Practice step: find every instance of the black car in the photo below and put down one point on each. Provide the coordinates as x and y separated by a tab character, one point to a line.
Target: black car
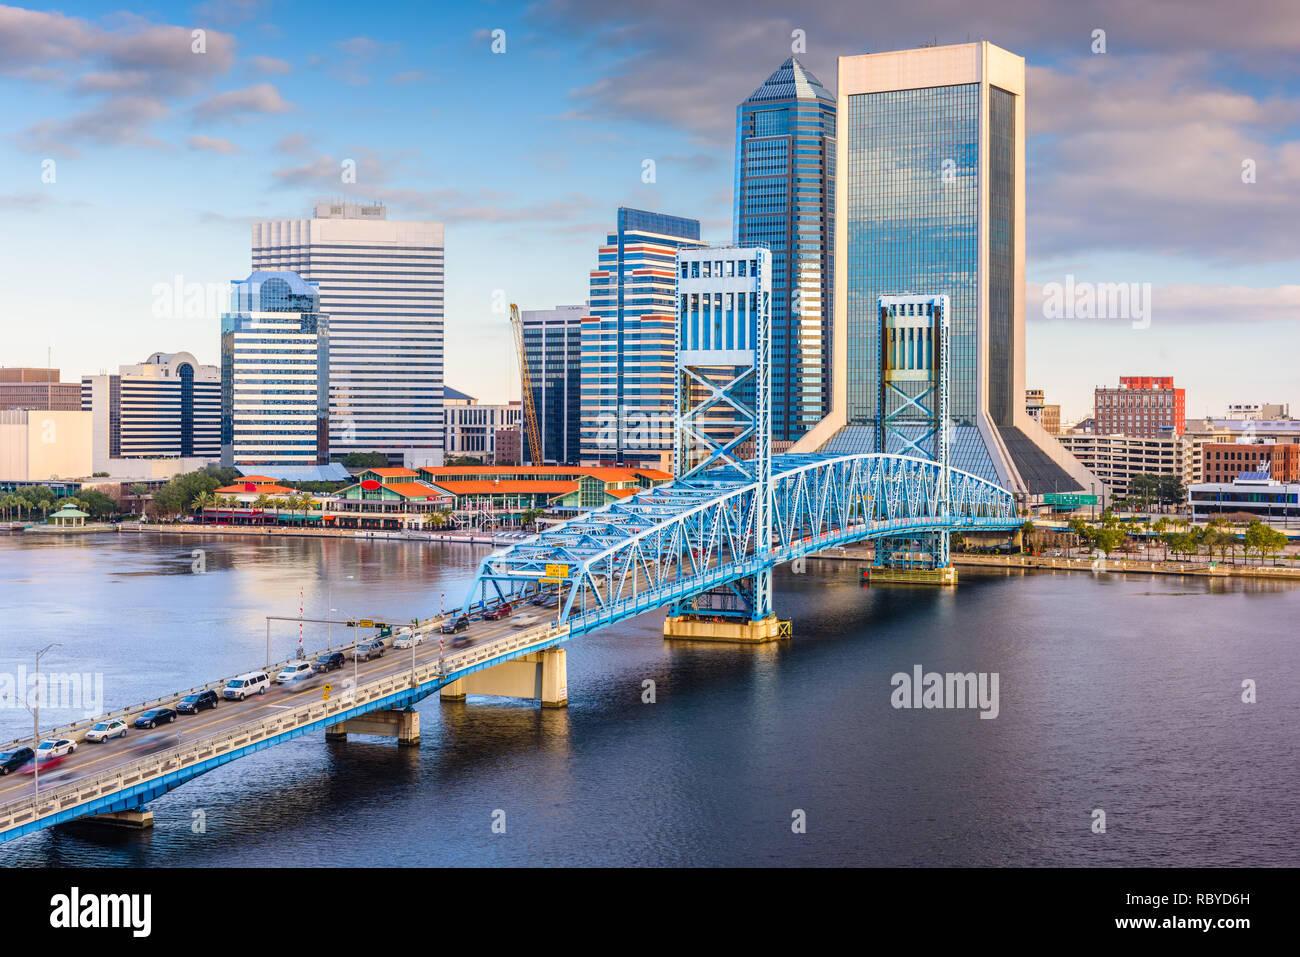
453	625
14	758
194	703
154	717
328	661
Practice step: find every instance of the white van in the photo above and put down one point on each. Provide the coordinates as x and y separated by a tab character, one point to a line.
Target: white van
237	689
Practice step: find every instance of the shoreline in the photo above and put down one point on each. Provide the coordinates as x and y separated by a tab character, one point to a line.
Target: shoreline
270	531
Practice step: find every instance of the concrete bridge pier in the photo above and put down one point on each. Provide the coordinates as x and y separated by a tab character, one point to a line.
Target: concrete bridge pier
739	612
136	819
919	559
542	676
399	723
695	627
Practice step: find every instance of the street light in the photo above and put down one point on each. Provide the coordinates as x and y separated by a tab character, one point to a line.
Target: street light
36	721
329	601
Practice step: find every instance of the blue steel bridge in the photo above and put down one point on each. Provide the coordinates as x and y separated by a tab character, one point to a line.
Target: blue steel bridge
659	548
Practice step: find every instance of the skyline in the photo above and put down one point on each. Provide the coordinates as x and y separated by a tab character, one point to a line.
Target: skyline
163	162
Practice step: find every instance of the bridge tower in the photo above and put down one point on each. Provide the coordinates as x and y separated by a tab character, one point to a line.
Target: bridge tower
723	420
912	359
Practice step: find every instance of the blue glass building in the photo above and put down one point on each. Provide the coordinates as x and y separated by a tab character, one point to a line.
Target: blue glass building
785	199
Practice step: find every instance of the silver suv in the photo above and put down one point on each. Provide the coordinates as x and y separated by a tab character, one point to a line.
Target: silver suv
364	651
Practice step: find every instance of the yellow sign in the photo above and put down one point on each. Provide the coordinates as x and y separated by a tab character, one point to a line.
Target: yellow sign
557	571
327	689
367	623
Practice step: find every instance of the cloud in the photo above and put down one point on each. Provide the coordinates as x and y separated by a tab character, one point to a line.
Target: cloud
410	76
269	64
294	143
119	122
262	98
213	144
229	11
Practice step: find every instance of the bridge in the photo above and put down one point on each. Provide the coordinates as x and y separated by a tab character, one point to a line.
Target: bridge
702	546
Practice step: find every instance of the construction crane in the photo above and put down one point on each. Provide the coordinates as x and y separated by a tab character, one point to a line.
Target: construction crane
526	387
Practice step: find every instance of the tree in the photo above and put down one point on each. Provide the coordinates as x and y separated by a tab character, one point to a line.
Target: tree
365	460
1170	490
261	503
202	502
1143	489
531	515
1027	531
1108	539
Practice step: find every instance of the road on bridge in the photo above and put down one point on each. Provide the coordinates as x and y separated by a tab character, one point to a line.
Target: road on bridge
229	715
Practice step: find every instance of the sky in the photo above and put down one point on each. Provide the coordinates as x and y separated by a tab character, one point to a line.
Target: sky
1164	152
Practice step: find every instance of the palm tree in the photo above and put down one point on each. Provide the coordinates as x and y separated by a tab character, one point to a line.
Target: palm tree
261	503
202	502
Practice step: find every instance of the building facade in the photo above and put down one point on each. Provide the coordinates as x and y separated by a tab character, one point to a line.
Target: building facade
37	389
785	199
930	201
274	373
1116	459
168	406
1252	495
39	445
472	428
1224	461
1048	416
553	343
381	284
627	355
1144	406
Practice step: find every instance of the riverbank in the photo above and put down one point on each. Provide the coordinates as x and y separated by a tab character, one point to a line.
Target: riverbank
271	531
1089	564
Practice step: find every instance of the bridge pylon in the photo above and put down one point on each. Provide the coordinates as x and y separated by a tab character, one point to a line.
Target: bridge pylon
723	420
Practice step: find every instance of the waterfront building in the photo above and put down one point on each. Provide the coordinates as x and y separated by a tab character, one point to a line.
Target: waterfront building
1284	431
627	358
167	407
553	344
541	486
1144	406
930	201
784	199
472	428
1224	461
274	373
381	283
37	389
509	446
41	445
1116	459
1252	495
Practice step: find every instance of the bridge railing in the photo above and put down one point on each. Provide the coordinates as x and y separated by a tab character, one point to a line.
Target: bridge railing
192	755
77	729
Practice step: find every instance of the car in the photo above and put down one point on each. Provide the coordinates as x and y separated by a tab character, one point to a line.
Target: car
552	601
409	639
453	625
115	728
460	641
503	610
50	763
328	661
198	701
237	689
294	671
365	650
14	759
154	717
55	748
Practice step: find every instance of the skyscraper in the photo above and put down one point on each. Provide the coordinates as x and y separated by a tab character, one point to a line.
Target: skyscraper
274	373
381	284
785	198
930	200
553	342
628	358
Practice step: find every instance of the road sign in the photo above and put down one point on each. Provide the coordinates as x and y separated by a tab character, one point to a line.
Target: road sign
559	572
367	623
1068	498
327	689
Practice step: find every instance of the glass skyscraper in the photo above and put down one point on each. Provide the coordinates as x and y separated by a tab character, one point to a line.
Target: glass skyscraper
785	199
930	201
553	342
628	341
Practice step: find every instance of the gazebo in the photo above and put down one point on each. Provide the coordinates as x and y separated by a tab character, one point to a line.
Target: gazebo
68	516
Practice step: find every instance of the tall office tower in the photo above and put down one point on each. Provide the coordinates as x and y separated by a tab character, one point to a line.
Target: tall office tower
167	406
930	200
553	342
381	284
628	362
274	373
1144	406
785	198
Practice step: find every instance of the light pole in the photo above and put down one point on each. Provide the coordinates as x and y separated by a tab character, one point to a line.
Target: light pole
36	721
329	601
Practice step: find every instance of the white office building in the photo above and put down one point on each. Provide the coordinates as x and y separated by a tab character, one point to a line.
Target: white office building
472	428
168	406
381	284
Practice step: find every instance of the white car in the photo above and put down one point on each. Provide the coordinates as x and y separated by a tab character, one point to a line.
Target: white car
295	671
107	729
405	640
55	748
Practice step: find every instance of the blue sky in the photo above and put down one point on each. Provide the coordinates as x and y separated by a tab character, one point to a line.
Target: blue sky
163	157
